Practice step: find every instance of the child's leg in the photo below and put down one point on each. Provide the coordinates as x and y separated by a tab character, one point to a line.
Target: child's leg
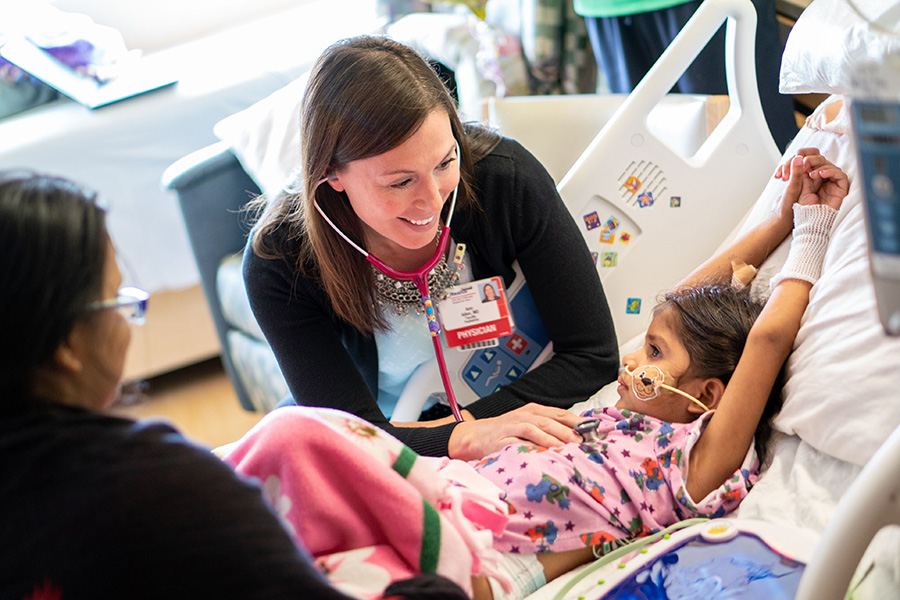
481	589
557	563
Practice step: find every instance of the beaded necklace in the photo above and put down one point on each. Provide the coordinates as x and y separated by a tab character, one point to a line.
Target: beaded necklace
403	296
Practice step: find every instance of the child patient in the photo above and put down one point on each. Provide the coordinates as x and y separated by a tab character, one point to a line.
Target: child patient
688	432
693	400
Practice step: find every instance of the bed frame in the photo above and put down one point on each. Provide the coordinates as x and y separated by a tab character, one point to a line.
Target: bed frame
656	201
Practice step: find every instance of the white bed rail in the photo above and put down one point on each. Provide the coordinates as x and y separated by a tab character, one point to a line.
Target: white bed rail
650	214
871	503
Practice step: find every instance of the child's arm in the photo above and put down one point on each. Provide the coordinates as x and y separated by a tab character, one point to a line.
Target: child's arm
754	246
729	434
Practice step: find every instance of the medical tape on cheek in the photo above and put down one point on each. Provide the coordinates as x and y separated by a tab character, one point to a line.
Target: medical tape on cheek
647	381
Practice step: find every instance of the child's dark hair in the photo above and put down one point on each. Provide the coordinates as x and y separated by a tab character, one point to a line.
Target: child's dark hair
713	322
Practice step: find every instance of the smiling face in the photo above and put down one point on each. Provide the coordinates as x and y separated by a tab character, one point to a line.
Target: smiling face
398	195
662	359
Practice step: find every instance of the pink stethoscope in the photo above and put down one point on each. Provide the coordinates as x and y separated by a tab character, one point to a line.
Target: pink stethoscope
419	277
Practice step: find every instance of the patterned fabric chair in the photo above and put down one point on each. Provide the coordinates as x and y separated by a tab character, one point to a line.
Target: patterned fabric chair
212	190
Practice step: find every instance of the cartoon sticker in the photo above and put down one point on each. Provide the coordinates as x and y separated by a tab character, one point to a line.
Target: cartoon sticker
646	382
632	184
607	236
633	306
610	259
645	199
592	221
624	237
595	256
675	202
642	176
612	223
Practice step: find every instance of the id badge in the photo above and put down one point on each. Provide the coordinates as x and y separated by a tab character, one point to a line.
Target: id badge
476	314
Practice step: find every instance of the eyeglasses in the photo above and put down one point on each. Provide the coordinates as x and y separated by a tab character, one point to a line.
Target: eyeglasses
131	304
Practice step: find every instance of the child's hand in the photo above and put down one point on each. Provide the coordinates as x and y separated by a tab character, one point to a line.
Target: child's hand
813	179
814	193
783	171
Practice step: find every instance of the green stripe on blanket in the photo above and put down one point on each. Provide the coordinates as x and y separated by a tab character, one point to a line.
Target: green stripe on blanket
431	539
431	519
405	461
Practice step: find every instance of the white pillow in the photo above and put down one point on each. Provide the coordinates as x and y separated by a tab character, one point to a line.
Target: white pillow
841	396
265	137
832	49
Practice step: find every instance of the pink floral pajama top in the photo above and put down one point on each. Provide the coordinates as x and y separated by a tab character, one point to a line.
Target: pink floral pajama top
630	483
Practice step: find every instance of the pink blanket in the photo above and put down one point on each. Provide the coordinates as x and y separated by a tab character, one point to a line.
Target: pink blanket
367	508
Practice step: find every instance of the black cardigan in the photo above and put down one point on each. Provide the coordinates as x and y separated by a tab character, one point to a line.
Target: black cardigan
326	362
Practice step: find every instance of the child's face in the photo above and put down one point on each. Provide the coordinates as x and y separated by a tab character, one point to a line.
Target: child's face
662	349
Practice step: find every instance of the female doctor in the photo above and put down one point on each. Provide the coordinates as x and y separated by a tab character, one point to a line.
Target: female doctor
385	159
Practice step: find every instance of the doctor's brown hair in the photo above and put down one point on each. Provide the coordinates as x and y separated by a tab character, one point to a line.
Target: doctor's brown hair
365	96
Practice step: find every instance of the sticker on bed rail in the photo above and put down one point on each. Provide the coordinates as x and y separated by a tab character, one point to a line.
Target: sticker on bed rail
617	232
633	306
675	202
610	259
644	177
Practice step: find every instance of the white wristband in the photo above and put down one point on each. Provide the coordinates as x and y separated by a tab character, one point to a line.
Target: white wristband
812	230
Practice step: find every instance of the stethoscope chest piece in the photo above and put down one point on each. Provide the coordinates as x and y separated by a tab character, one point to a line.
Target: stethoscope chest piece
587	429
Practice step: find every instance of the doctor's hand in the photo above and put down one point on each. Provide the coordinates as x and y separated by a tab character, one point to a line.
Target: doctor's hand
531	424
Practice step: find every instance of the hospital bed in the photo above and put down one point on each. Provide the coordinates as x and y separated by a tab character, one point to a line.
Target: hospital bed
841	399
832	478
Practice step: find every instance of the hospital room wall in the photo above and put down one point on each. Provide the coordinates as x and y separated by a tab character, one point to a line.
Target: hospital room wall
151	25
